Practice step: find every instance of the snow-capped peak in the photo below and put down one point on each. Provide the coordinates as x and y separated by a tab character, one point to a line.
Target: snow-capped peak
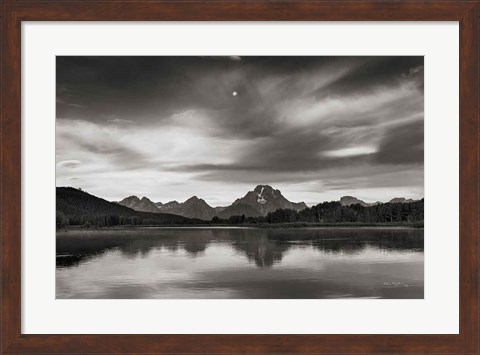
260	198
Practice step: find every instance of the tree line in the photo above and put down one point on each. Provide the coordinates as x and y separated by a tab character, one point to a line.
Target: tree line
335	212
76	207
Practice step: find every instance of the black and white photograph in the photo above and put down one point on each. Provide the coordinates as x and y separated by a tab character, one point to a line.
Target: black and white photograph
239	177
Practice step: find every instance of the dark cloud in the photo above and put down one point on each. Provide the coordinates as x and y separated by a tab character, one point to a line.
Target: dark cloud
377	72
151	87
402	144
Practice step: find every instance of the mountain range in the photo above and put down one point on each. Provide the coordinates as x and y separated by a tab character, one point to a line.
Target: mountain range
142	205
350	200
77	207
262	200
80	207
259	202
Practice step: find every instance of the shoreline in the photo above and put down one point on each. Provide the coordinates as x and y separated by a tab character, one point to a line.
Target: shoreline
243	226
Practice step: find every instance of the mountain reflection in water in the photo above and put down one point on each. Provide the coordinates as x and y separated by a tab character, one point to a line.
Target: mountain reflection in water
214	263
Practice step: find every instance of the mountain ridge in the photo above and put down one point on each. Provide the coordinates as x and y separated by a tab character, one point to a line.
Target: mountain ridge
351	200
79	207
260	201
142	205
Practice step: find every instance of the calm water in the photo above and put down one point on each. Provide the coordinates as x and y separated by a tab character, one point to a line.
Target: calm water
240	263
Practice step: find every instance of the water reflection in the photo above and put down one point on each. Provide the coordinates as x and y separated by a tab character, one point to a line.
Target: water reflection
217	263
264	247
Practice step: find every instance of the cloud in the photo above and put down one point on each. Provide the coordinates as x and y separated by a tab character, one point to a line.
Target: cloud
375	73
69	163
73	105
97	143
403	144
120	121
335	123
349	152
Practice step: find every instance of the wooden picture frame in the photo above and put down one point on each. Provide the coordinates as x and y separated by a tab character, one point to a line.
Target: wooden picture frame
13	12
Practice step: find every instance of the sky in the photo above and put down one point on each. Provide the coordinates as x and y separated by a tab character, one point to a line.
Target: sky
168	128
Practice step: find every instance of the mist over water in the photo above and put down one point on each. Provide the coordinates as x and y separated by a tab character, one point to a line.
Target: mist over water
240	263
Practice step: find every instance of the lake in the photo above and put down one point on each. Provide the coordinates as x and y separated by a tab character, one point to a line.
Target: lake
255	263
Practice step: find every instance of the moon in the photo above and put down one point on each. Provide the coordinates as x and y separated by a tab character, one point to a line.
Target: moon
234	93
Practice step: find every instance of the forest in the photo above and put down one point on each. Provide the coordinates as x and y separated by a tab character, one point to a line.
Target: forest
334	212
76	207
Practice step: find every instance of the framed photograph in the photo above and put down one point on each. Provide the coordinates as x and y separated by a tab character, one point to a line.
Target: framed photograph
240	177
